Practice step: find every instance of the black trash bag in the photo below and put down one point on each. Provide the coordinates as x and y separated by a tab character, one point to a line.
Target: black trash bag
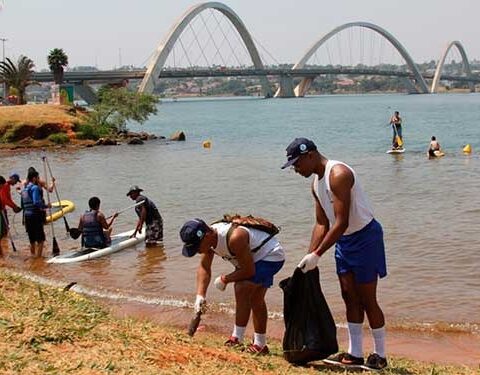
310	332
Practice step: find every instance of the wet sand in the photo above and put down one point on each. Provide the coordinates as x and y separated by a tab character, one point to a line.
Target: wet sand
431	347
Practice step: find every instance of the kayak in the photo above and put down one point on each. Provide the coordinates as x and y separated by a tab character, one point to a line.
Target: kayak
59	209
120	242
396	151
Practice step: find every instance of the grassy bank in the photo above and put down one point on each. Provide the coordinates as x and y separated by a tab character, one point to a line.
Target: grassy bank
48	330
38	125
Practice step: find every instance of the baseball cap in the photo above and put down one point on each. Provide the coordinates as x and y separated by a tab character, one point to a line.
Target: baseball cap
298	147
133	188
192	233
15	176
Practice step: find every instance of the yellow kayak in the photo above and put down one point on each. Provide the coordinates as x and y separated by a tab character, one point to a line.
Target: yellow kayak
59	209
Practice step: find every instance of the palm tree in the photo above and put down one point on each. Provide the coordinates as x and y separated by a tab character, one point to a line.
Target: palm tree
57	60
17	76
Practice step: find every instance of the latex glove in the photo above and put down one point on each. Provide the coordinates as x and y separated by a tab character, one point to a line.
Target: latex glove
220	284
309	262
200	303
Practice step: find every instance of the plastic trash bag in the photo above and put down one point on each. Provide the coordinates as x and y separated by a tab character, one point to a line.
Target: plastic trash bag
310	332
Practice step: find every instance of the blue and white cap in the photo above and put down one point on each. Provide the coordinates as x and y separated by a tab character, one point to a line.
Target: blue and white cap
192	233
297	148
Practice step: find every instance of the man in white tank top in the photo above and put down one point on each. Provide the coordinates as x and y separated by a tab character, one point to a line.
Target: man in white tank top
344	218
256	256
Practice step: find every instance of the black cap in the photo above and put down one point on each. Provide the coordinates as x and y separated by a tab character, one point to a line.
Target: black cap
298	147
133	189
192	233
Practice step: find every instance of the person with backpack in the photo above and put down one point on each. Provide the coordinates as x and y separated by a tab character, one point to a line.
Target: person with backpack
34	209
344	218
256	255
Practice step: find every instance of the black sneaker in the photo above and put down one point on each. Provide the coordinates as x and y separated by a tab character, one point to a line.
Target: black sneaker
375	362
344	359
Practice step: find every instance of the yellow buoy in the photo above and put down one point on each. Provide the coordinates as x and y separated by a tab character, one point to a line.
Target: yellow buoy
467	149
207	144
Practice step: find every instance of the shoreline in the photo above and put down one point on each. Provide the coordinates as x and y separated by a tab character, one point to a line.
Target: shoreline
446	348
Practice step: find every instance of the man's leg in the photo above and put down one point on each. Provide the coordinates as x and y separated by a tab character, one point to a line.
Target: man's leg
354	312
376	319
260	316
243	293
40	248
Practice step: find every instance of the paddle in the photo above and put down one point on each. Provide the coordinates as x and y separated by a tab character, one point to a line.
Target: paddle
397	137
55	248
67	228
75	232
8	230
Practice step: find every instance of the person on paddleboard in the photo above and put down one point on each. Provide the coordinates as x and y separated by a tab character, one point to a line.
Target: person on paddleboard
344	218
256	255
434	147
396	123
96	231
149	215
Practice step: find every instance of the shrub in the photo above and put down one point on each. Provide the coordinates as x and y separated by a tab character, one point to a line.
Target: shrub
59	138
92	132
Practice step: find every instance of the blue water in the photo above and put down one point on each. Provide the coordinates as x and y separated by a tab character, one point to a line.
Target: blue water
429	208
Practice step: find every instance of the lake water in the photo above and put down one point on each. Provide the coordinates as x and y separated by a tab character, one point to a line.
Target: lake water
430	209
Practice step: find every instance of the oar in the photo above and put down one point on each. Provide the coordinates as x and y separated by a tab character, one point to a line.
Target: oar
55	248
67	228
8	230
75	232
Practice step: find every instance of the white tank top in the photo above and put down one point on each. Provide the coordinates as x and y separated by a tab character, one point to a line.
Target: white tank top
272	251
361	212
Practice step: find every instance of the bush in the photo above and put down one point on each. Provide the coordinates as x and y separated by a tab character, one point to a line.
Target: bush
59	138
92	132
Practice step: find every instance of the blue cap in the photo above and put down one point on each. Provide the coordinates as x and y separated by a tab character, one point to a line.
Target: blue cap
192	233
298	147
15	176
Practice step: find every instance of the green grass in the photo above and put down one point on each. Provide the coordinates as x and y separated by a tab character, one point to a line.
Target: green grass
48	330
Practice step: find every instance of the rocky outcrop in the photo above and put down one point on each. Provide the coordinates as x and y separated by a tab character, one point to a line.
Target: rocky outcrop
178	136
106	142
135	141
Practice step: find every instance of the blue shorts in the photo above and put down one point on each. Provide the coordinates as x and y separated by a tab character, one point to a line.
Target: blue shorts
362	253
264	272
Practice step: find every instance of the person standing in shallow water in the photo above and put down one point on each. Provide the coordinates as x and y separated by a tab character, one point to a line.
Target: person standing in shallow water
396	122
344	218
147	214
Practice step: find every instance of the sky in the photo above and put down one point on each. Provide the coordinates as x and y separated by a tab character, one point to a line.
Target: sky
104	33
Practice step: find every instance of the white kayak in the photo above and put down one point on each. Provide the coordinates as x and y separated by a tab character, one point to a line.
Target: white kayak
396	151
120	242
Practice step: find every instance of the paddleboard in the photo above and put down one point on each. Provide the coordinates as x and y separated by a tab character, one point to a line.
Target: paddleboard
60	209
396	151
439	154
120	242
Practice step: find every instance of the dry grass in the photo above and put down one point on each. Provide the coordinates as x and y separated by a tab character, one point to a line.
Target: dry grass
47	330
36	115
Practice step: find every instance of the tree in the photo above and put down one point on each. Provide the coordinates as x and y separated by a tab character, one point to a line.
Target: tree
17	76
117	106
57	60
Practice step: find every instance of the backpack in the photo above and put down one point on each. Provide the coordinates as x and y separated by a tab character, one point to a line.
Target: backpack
250	222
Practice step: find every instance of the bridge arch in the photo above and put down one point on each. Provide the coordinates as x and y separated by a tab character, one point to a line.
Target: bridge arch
438	70
305	83
166	46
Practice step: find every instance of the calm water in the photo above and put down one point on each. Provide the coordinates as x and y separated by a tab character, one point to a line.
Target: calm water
430	209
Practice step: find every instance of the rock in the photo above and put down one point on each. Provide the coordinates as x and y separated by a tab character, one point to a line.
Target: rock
106	142
178	136
135	141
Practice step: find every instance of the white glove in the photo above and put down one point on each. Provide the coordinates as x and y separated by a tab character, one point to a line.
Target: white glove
200	303
219	284
309	262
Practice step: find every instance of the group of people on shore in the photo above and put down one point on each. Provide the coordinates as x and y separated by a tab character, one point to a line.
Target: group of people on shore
93	227
434	149
344	218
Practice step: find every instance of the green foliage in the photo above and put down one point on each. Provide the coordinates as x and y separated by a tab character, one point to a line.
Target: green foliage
57	61
17	76
92	132
117	106
59	138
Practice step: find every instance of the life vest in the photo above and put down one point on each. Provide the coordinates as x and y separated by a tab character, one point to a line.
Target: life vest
92	235
152	211
29	208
